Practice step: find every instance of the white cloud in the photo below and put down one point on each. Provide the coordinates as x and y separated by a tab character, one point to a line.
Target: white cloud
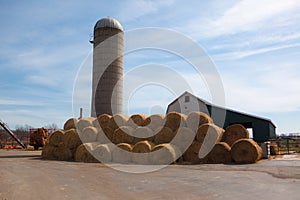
20	102
245	16
250	15
243	54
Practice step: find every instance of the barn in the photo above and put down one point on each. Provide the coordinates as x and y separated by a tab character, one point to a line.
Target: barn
261	129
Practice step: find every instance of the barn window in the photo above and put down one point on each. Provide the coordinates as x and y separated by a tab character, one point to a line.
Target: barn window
187	99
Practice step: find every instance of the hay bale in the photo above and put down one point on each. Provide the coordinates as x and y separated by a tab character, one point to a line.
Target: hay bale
208	135
174	120
117	121
234	133
220	154
123	135
191	155
47	152
89	134
101	136
109	133
136	120
246	151
95	123
154	121
206	129
163	135
103	152
56	138
142	133
71	139
104	120
61	152
70	123
122	154
141	152
183	138
83	123
196	119
164	154
84	153
38	136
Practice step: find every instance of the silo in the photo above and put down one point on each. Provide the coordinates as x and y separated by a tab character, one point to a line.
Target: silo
107	82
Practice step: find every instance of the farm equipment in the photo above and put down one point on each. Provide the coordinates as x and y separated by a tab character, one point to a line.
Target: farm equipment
38	137
5	127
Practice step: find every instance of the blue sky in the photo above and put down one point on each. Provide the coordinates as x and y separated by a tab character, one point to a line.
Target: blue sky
253	44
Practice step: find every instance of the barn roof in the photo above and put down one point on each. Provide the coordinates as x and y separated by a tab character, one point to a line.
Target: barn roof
220	107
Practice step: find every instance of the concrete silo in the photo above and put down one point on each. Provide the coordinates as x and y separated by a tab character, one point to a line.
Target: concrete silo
107	82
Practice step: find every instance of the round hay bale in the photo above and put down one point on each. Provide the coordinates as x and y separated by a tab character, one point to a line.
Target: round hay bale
136	120
117	121
141	151
220	154
196	119
61	152
102	138
222	131
95	123
174	120
83	123
71	139
154	121
123	135
246	151
122	154
207	129
164	154
84	153
108	132
163	135
191	155
234	133
56	138
47	152
184	137
208	135
89	134
142	133
103	152
104	120
70	123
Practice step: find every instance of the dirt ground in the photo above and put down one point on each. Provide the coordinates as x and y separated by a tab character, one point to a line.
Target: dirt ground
23	175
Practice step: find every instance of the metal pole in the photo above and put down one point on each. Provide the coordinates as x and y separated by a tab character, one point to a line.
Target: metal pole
288	145
80	113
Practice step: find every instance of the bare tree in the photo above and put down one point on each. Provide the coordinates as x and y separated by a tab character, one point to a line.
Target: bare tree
52	126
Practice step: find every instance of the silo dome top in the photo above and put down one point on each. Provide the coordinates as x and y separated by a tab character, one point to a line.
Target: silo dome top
108	22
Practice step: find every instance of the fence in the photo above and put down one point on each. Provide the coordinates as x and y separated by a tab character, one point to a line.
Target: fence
287	144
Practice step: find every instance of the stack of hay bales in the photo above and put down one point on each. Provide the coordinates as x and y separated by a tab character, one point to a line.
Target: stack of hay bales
154	139
38	137
55	148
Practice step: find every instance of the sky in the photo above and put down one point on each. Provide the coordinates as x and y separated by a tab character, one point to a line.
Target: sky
254	46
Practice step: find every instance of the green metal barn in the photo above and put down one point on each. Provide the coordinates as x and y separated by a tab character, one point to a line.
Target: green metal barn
262	129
